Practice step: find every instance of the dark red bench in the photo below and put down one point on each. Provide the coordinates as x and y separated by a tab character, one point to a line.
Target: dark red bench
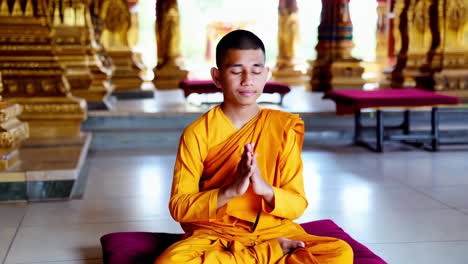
207	86
144	247
354	101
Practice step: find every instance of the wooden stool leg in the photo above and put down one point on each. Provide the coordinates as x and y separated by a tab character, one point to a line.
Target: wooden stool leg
379	132
435	128
406	122
357	126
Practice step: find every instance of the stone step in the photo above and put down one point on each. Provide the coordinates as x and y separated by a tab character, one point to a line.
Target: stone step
54	169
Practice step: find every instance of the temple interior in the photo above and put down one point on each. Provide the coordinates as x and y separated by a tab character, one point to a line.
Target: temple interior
92	109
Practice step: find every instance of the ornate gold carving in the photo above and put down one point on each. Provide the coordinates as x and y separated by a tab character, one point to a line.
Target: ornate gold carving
420	16
456	14
9	111
168	72
17	9
335	67
31	74
167	32
116	20
51	108
78	49
288	38
29	9
4	11
289	68
12	133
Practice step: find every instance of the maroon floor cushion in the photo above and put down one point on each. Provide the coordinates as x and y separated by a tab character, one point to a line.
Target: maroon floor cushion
349	100
144	247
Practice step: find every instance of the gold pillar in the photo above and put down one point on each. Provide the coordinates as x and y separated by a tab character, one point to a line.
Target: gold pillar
168	72
433	46
31	74
12	132
394	76
289	69
382	32
374	70
334	66
116	21
413	39
72	40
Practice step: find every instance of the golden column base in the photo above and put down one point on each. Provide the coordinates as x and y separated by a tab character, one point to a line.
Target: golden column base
33	78
12	133
101	85
294	76
335	75
126	76
86	78
453	82
72	56
53	117
169	76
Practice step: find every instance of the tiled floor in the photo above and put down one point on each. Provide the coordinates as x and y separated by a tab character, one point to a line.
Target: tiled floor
406	206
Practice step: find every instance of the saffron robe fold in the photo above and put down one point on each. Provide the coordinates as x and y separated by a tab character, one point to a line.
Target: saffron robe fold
209	152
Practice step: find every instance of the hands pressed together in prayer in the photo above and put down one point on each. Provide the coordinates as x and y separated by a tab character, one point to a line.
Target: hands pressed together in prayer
248	174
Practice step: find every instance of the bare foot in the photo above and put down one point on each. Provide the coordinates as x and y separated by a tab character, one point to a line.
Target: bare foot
289	245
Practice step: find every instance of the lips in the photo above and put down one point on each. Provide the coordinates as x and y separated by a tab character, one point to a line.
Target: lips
247	93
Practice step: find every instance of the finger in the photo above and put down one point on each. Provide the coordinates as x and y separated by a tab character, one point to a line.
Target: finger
251	171
300	244
247	147
250	147
249	158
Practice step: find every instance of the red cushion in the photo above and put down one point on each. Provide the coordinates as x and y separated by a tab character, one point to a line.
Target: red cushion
144	247
362	255
348	101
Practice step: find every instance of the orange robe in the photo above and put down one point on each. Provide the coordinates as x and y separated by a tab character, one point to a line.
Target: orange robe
245	230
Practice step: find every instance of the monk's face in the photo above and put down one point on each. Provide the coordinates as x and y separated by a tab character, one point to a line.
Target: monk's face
242	76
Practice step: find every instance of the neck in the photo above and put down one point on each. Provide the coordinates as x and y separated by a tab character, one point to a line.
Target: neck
240	115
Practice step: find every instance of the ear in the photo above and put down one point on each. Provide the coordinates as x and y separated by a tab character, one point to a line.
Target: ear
216	77
267	73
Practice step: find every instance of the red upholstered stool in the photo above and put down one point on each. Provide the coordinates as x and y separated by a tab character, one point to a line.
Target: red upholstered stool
144	247
207	86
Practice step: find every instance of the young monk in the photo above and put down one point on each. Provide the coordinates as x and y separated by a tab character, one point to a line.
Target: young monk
238	180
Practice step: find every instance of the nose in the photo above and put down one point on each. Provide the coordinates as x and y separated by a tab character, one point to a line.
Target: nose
247	79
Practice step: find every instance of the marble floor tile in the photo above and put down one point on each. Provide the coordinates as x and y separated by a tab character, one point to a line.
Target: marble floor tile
73	242
11	216
81	261
139	208
453	252
398	226
362	198
7	235
455	196
141	176
400	204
